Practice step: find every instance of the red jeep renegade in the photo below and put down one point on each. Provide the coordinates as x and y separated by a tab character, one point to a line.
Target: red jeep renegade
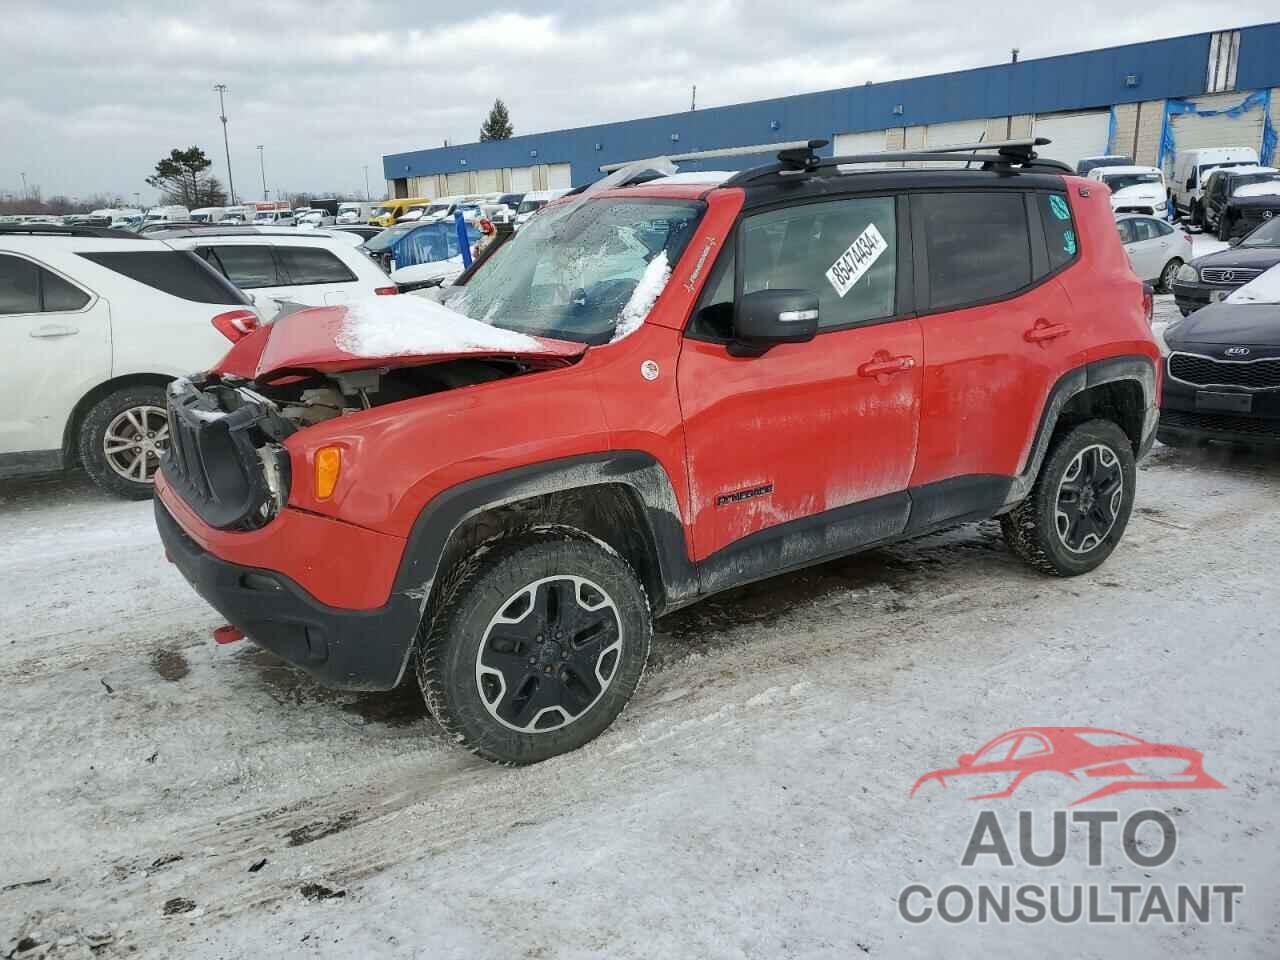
657	390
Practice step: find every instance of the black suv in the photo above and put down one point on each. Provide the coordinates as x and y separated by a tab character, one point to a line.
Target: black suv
1212	277
1229	215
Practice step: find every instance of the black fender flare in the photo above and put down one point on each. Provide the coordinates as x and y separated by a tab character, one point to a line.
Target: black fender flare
640	472
1137	367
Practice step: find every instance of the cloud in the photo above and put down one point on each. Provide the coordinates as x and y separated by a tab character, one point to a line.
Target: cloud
95	94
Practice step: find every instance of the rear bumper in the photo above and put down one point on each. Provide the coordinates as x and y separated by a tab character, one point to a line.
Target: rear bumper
348	649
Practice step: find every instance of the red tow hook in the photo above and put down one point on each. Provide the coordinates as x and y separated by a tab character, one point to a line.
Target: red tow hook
227	634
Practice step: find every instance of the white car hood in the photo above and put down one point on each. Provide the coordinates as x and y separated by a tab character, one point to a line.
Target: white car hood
1264	288
1265	189
1140	193
437	269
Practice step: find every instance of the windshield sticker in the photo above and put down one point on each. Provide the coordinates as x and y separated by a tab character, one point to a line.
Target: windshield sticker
1069	242
850	266
1059	207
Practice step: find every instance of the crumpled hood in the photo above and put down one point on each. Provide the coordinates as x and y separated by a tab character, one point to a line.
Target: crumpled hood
380	332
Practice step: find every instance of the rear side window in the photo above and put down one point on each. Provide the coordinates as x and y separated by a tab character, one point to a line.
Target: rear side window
845	251
175	272
245	265
1060	230
978	244
26	287
313	265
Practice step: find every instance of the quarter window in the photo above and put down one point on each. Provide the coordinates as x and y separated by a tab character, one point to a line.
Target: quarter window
1060	229
845	251
978	244
245	265
26	287
316	265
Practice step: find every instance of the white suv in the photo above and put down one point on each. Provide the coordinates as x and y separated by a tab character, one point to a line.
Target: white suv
93	324
315	268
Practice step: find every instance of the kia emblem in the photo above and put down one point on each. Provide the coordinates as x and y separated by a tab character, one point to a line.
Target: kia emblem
1236	351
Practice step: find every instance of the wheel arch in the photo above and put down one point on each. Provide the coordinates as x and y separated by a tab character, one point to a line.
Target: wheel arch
1120	389
624	499
71	432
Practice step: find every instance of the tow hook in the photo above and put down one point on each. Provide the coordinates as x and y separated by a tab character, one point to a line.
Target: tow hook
227	634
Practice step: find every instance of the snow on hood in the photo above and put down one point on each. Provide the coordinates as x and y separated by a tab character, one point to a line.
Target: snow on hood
419	272
1139	191
403	326
650	286
1264	288
1265	189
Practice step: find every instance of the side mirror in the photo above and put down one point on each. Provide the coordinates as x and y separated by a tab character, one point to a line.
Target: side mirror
966	760
1234	241
769	317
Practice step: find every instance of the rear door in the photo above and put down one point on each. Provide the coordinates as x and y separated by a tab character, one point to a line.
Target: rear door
1147	242
997	334
806	446
55	338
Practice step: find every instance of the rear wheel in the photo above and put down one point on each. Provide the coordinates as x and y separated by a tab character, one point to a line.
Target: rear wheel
122	438
536	647
1168	273
1080	504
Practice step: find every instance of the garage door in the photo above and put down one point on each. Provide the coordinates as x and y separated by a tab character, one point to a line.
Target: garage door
1190	131
521	179
950	134
559	177
488	181
1074	135
459	183
870	141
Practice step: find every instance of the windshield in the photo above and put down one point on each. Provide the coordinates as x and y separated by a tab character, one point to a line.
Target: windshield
1267	235
571	273
1121	180
528	206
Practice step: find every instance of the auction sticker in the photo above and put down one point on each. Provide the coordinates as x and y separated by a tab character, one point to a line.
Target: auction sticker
850	266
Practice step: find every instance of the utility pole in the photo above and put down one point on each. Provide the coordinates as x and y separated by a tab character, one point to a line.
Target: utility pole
366	184
263	167
24	185
1015	51
693	101
226	144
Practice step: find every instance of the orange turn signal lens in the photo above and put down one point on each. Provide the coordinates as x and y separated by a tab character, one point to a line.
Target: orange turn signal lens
328	466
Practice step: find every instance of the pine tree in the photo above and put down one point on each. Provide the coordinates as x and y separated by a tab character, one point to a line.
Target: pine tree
497	126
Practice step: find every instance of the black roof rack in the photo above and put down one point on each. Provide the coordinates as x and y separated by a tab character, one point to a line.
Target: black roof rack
55	230
1009	156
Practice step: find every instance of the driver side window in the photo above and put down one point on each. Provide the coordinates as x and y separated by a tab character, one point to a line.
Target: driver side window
845	251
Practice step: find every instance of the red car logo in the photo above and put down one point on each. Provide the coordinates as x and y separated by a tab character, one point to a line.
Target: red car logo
1088	755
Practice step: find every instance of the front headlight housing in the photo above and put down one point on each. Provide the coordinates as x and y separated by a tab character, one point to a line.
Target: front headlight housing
1187	274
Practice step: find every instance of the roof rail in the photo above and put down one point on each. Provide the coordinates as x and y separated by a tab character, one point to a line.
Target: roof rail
1009	156
746	151
55	230
246	231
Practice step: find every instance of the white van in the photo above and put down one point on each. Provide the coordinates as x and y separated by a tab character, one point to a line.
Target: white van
1190	169
208	214
120	217
167	214
535	201
356	211
1135	189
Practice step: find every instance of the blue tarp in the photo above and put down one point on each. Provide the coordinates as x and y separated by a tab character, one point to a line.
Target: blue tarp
1258	100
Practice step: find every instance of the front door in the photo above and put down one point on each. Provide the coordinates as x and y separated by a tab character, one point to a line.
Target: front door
805	451
55	337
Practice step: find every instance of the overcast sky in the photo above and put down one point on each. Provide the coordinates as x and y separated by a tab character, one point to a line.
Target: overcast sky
95	91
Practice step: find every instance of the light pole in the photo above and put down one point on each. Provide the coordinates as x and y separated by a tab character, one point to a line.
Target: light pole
263	167
137	199
24	185
366	183
226	144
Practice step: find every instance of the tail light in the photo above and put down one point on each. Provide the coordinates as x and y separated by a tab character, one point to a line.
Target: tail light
1148	302
236	324
386	291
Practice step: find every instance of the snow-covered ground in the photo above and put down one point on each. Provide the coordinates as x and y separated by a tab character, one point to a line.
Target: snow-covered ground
752	802
1166	311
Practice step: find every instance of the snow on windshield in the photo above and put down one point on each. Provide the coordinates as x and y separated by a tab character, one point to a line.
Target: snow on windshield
1264	288
1262	188
406	325
648	289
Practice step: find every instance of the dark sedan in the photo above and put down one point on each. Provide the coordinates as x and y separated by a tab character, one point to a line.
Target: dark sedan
1211	278
1222	374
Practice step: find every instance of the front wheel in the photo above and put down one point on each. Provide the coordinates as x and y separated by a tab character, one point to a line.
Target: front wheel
536	648
122	438
1168	273
1080	504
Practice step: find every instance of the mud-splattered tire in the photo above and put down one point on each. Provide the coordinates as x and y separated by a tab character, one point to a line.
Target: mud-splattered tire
1034	530
536	646
127	414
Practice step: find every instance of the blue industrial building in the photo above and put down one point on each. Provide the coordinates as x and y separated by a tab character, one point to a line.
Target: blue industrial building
1146	100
